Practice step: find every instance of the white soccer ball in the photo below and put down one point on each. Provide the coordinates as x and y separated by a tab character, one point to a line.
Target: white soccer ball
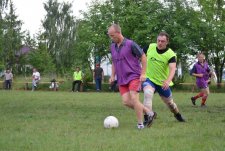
111	122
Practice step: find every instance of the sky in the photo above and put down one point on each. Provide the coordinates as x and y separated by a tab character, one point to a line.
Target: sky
31	12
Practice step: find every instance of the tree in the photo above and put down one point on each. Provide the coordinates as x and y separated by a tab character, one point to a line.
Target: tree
12	37
59	34
193	26
212	33
41	59
3	6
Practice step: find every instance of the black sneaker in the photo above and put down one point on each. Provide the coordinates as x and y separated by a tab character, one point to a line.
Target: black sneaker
150	119
145	119
179	117
193	100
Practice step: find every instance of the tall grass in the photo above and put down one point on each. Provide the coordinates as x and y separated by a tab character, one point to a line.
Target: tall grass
66	121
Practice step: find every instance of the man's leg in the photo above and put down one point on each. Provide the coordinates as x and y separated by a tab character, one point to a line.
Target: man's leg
166	96
148	96
100	84
10	84
7	85
173	108
78	85
130	97
205	96
33	84
97	84
73	86
194	98
131	100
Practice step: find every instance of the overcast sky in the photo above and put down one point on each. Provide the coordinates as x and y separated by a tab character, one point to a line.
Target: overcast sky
31	12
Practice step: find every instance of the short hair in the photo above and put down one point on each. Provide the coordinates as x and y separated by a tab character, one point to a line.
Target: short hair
163	33
200	53
116	27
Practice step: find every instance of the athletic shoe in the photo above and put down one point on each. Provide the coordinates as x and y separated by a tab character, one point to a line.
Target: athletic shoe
140	126
179	117
150	119
193	100
145	119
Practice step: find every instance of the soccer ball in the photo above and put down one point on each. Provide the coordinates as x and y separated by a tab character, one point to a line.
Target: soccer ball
111	122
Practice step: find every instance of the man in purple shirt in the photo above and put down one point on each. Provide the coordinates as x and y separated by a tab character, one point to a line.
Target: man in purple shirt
202	73
127	59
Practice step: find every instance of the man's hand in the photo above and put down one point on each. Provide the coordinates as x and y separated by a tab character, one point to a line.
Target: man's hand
200	75
111	79
166	85
142	77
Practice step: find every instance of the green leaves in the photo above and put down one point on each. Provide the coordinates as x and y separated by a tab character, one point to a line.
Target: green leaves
59	34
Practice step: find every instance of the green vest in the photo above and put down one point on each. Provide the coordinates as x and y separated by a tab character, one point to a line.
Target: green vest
157	64
77	75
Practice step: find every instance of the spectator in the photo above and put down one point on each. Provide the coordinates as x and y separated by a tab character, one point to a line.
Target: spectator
8	79
36	77
98	76
54	86
77	79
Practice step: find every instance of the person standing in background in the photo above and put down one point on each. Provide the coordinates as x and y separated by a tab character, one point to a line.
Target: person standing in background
98	76
8	79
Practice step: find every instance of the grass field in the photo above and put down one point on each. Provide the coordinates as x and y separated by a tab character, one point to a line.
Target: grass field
65	121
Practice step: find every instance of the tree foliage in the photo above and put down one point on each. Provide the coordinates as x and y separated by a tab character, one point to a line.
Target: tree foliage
192	25
11	37
59	33
41	59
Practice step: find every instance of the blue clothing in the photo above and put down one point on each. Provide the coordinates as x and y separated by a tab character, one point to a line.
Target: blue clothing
126	61
166	93
98	83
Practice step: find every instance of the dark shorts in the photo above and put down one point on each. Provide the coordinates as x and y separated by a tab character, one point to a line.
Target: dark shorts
165	93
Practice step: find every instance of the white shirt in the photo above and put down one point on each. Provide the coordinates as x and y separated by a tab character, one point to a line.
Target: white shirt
36	75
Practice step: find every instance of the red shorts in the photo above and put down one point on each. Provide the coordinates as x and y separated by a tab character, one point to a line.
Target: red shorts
133	85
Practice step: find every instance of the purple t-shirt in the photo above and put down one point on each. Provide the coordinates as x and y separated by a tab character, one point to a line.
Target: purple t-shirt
204	69
126	61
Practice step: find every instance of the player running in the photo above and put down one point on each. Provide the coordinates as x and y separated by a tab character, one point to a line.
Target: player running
202	73
161	66
126	59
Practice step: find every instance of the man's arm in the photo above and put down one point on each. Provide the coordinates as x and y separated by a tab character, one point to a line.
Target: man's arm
193	72
143	69
172	69
112	78
136	49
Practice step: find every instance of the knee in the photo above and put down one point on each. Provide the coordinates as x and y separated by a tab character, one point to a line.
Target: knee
148	95
127	103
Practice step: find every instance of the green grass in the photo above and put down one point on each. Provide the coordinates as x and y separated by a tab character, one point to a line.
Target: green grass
65	121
